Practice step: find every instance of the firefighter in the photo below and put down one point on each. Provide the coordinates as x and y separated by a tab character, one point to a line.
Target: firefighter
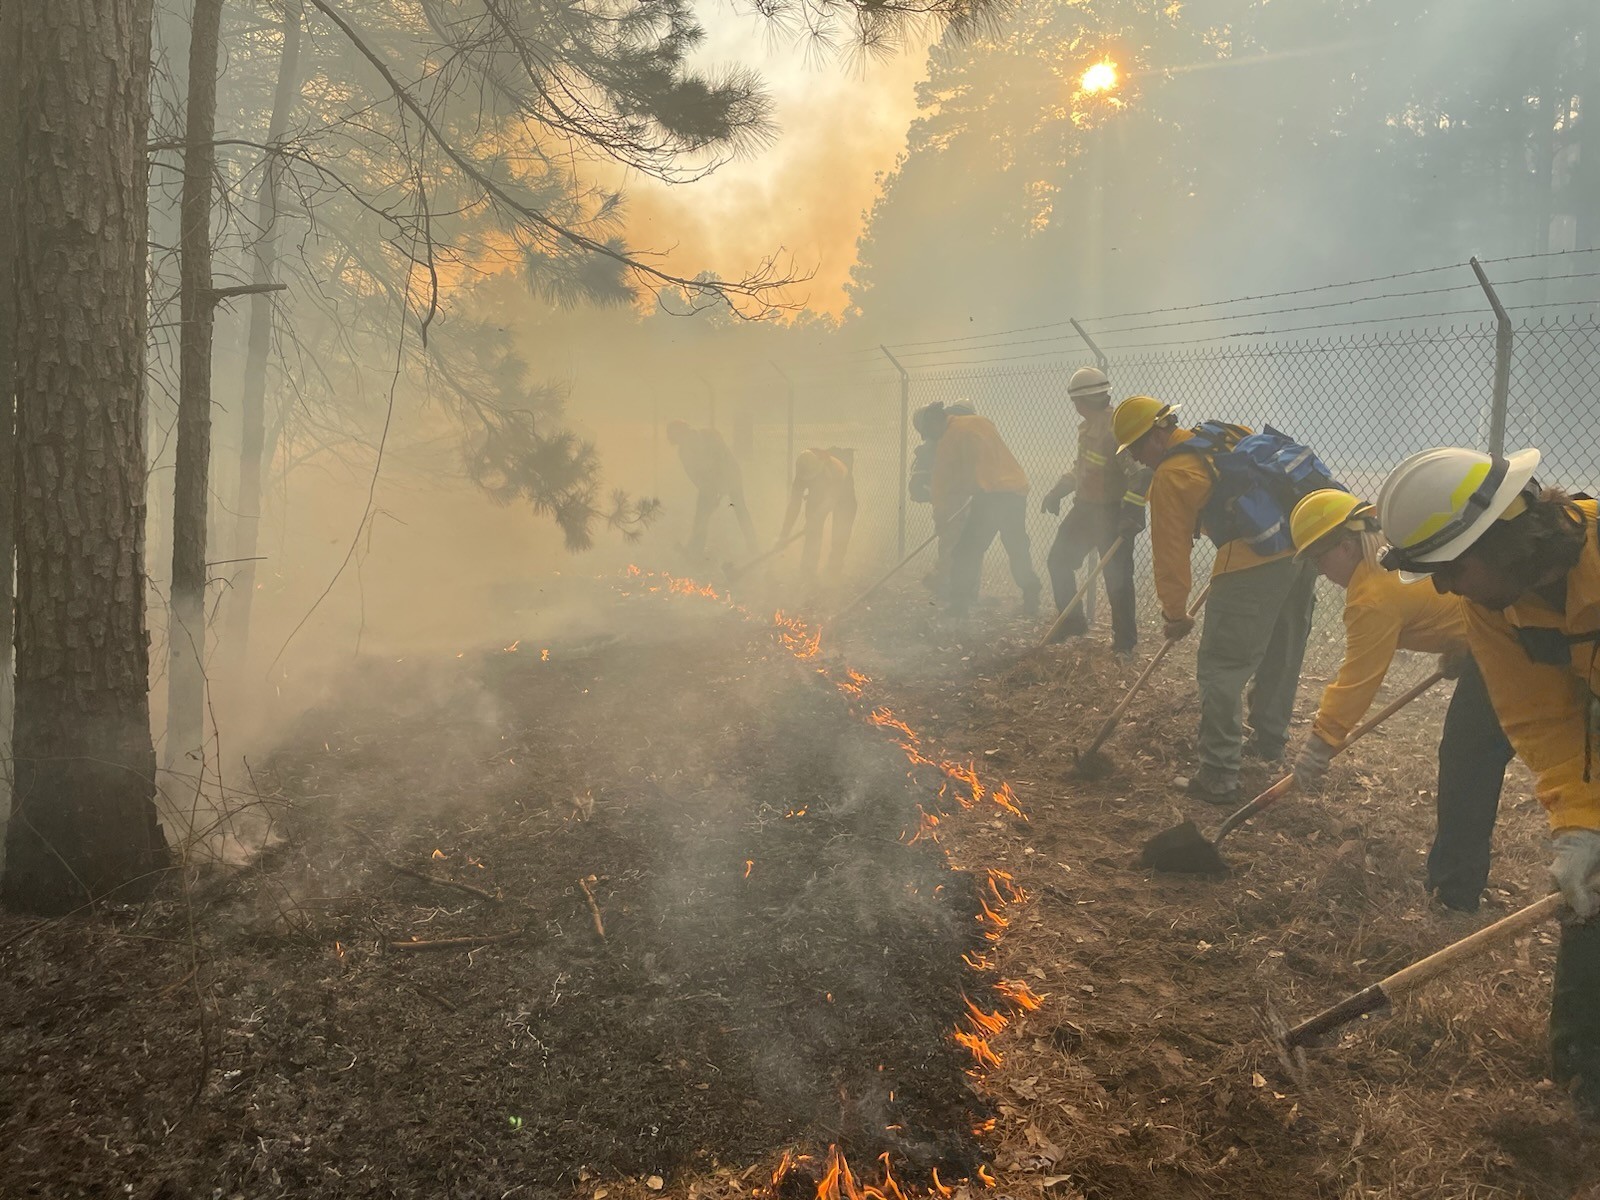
824	482
973	468
1526	560
1108	504
715	473
919	487
1339	534
1256	619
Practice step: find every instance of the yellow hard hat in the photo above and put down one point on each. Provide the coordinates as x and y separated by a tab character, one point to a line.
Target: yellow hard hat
1323	512
1137	416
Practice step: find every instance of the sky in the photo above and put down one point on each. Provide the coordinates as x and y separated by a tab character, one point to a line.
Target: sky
842	123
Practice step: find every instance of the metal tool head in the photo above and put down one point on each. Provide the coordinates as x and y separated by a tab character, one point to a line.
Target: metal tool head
1092	764
1183	850
1276	1030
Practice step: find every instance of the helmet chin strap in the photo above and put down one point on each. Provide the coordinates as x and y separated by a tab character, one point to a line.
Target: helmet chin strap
1478	503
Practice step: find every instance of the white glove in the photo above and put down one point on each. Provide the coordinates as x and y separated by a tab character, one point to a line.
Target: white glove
1312	766
1577	855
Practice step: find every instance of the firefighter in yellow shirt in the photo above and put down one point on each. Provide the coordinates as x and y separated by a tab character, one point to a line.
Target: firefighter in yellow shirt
1339	533
825	486
1256	619
1527	561
974	467
1108	503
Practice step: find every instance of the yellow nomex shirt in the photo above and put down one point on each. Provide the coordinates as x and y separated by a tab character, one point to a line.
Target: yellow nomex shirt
1382	615
1545	707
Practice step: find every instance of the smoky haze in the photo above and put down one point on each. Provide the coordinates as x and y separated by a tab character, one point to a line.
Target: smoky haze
956	196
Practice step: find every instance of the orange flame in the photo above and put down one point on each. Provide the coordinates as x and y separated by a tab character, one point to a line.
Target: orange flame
990	1023
544	656
749	865
438	854
987	1176
941	1187
512	649
1020	994
979	1047
798	638
978	962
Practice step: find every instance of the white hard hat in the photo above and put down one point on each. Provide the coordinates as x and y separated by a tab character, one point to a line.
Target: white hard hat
1437	504
1087	383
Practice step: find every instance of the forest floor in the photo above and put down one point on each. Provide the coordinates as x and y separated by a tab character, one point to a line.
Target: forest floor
676	911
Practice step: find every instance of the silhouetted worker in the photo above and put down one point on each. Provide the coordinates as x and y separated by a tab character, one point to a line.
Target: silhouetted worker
920	487
1109	504
824	482
974	467
715	472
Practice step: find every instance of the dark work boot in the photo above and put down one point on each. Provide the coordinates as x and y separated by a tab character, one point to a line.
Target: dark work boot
1211	785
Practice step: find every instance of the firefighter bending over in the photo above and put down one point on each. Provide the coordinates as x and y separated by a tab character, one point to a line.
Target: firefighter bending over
824	482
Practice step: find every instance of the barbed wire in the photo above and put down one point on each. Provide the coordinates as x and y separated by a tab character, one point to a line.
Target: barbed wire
952	344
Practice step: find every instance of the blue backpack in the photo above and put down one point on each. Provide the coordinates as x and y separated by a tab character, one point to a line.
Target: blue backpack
1257	479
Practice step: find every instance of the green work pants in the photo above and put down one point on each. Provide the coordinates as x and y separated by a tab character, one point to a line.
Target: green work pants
1575	1015
1254	627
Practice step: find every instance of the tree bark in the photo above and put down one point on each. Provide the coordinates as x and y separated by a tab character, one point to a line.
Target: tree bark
186	627
253	441
10	172
83	820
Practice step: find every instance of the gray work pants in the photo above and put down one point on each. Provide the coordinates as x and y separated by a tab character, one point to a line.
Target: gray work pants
1254	628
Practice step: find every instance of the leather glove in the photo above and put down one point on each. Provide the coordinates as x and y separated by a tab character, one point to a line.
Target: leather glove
1452	664
1130	524
1174	630
1311	768
1577	855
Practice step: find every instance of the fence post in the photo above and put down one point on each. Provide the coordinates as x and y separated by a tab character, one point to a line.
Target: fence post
1502	362
905	438
1099	355
788	386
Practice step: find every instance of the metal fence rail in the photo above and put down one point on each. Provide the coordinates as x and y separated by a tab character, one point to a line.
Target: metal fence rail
1363	401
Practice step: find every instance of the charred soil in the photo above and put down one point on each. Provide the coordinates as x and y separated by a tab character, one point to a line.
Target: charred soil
687	933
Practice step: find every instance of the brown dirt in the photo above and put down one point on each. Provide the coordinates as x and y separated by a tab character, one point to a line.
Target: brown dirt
1146	1073
724	1019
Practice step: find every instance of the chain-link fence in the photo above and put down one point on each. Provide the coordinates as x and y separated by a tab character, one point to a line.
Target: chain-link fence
1363	402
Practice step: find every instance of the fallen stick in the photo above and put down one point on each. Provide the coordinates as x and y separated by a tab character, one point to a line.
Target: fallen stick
456	943
482	894
594	909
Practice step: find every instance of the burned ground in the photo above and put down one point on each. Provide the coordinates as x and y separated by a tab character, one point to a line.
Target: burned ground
772	941
778	967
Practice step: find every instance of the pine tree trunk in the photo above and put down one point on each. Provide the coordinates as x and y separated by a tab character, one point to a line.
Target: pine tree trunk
83	822
186	630
252	447
10	172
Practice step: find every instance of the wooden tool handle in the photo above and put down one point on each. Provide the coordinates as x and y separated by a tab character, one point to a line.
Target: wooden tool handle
1286	785
1088	583
896	569
1503	930
1122	705
1370	999
735	571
